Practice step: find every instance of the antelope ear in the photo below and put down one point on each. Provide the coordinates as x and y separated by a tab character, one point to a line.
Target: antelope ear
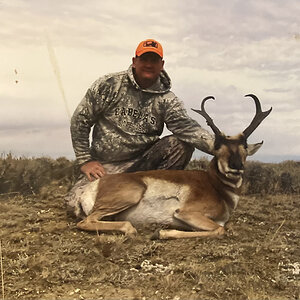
253	148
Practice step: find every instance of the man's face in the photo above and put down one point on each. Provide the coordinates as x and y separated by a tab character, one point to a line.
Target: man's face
147	68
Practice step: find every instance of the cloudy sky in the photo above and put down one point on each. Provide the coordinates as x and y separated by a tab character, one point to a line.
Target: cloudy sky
51	51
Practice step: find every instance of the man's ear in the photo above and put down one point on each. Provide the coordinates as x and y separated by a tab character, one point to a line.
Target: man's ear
133	62
253	148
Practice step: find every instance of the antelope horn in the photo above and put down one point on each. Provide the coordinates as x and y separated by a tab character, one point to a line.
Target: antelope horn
208	119
258	118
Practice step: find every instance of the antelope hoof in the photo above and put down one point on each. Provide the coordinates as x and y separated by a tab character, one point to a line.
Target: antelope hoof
220	231
130	231
81	224
155	235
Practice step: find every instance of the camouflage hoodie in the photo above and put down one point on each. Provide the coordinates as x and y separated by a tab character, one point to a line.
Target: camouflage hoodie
127	120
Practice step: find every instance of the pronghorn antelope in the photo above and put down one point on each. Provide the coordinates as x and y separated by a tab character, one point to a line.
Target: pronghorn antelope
185	203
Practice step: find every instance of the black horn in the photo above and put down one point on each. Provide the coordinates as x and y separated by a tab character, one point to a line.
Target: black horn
258	118
208	119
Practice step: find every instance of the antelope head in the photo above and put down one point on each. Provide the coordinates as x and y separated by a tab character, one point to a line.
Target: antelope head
230	152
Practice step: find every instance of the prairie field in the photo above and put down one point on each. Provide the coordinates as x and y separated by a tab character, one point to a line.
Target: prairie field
44	256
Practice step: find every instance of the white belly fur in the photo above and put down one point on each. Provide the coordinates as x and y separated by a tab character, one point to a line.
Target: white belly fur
88	197
151	211
158	205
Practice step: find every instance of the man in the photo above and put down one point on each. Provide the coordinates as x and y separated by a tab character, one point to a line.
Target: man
127	111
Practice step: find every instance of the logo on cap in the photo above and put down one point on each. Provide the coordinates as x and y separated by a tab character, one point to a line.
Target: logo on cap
149	45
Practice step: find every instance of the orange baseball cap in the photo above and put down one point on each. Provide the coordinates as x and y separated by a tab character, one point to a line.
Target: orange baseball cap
149	45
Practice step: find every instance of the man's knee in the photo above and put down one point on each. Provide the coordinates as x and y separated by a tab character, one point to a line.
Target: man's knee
177	152
173	142
167	153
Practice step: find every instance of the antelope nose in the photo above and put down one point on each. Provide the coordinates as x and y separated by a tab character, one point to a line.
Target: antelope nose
236	164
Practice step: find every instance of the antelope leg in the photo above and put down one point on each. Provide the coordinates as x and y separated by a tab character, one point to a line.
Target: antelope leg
196	220
92	223
203	226
177	234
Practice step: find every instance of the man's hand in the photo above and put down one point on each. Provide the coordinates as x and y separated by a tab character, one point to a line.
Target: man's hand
93	170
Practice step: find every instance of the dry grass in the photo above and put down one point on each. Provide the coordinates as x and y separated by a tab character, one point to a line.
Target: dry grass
33	176
46	257
265	178
2	272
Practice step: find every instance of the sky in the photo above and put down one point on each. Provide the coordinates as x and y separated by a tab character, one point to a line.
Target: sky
51	51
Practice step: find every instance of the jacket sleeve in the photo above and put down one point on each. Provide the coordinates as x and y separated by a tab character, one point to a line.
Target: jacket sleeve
84	117
185	128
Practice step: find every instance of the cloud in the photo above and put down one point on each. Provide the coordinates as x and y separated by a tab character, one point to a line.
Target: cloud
225	49
35	142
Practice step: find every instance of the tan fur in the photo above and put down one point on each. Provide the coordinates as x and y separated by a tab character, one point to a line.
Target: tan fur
200	201
189	203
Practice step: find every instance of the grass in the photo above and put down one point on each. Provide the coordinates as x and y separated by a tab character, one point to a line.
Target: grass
42	176
44	256
2	272
255	260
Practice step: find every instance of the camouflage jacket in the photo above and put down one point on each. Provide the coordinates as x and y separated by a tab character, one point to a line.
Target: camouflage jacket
127	120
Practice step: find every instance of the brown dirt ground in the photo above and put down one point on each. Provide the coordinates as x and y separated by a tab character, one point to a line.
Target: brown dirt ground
46	257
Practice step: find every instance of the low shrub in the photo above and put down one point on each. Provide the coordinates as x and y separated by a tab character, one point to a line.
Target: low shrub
264	178
31	175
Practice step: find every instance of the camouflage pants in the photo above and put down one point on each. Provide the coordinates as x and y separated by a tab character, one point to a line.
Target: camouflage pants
167	153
